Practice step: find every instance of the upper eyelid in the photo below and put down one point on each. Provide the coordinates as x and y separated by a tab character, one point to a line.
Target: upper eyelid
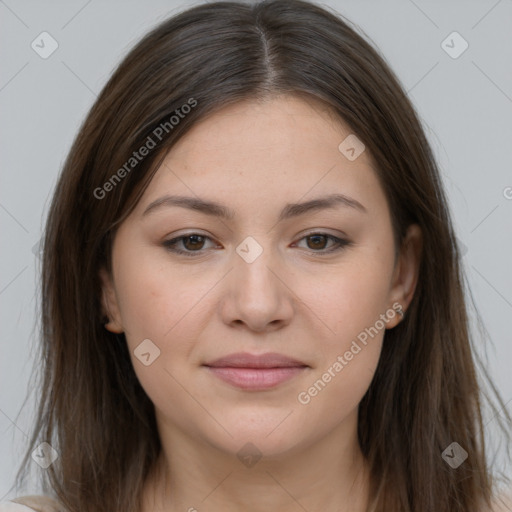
310	231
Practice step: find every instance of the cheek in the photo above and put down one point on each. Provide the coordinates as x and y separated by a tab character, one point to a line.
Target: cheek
337	389
157	304
153	296
351	306
348	297
163	304
355	297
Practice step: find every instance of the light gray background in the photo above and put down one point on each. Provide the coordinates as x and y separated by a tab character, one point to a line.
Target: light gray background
465	105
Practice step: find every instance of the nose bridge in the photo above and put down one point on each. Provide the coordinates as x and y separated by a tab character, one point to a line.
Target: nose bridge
257	295
253	266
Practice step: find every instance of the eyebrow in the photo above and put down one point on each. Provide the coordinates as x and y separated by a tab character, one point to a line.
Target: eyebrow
290	210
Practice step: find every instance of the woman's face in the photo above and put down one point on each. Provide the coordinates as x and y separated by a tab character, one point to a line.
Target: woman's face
268	279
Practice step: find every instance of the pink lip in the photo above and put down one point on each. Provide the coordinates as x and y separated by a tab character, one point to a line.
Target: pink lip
256	372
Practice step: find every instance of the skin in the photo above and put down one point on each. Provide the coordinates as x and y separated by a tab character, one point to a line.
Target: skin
254	157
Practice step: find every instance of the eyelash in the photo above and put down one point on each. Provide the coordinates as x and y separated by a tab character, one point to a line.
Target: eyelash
170	245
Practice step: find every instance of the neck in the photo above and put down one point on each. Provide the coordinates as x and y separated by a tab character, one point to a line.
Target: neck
330	475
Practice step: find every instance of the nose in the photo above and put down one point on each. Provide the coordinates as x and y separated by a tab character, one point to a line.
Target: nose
257	294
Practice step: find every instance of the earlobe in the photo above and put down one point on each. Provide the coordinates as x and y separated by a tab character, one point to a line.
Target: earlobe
110	308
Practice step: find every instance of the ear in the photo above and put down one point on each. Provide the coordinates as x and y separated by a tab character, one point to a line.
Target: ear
406	272
109	303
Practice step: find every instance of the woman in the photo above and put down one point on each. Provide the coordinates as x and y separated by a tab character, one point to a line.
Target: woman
201	351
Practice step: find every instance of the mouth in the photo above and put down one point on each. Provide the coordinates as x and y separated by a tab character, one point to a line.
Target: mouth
256	372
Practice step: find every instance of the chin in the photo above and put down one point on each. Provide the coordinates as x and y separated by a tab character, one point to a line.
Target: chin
271	435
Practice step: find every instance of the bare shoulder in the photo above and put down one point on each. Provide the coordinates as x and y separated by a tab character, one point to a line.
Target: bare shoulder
10	506
34	503
503	502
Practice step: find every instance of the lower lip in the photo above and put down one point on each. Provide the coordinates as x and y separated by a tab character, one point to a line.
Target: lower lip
256	379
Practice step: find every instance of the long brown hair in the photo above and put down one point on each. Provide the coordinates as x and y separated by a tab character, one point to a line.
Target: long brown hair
425	393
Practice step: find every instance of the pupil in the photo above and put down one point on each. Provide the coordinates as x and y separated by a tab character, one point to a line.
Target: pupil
316	237
194	237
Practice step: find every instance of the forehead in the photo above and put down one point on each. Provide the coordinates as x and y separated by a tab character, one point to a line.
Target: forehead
284	125
255	152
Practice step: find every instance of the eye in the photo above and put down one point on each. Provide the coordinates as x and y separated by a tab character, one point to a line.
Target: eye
319	240
194	242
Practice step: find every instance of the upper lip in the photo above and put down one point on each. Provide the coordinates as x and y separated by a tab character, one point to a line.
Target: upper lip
246	360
